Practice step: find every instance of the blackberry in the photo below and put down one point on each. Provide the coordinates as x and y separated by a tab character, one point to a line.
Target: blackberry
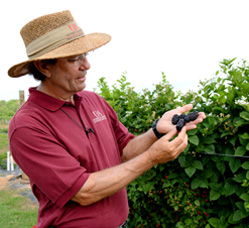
180	124
175	119
180	120
182	116
193	115
187	118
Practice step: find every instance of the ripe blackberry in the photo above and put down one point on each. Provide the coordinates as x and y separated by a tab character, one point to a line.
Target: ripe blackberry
193	115
182	116
175	119
187	118
180	124
180	120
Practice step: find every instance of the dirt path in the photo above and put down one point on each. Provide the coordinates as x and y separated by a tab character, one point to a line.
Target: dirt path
12	181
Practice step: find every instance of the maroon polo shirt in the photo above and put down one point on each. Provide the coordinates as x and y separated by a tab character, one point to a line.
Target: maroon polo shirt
58	144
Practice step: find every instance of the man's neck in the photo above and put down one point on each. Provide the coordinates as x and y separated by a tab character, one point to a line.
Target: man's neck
51	93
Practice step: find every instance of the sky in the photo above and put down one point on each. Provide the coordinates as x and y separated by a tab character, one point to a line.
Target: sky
185	39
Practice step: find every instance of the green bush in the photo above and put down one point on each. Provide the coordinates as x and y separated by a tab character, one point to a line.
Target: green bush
8	109
207	186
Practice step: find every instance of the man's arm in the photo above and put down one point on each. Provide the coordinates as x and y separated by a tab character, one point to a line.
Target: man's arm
107	182
142	142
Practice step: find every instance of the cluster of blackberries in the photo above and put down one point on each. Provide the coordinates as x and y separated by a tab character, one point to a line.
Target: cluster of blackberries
180	120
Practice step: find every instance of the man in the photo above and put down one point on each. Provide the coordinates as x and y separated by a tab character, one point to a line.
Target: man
69	142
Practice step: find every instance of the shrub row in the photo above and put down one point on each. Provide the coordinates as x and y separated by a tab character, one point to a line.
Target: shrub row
207	186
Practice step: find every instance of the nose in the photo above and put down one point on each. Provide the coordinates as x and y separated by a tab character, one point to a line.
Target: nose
84	64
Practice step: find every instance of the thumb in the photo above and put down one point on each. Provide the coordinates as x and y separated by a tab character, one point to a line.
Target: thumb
170	134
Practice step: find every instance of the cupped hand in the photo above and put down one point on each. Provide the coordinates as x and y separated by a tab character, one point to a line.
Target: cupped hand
164	125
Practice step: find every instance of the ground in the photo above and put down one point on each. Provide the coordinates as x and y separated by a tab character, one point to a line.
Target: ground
13	181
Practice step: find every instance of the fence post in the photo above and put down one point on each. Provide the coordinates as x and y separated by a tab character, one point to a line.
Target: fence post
21	97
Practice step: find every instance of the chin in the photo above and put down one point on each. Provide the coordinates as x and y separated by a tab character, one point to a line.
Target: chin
82	87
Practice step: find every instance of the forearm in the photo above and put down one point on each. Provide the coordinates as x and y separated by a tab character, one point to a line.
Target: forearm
138	145
109	181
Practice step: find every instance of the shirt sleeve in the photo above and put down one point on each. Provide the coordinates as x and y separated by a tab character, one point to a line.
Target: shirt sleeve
47	163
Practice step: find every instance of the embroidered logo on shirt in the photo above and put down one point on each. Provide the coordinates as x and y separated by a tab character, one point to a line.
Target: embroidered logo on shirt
99	116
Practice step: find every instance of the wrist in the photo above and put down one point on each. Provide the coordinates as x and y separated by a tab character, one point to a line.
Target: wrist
156	132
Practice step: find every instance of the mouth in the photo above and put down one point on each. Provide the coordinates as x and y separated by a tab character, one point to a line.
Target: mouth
82	78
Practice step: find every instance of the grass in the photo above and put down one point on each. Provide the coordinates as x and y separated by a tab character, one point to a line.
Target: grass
16	211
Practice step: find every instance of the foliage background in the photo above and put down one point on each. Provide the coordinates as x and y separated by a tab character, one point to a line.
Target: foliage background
207	186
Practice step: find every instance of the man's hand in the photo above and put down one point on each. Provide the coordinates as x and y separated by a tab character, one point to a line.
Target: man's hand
165	125
165	149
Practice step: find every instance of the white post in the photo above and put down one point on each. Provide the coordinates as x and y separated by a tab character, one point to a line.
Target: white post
8	161
11	163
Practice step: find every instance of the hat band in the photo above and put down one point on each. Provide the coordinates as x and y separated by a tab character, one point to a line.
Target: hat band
53	39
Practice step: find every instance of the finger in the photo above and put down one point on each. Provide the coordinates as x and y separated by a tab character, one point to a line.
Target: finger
202	115
170	134
182	146
193	124
179	143
185	108
180	138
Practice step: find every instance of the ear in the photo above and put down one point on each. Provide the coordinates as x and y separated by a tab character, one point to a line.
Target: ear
42	66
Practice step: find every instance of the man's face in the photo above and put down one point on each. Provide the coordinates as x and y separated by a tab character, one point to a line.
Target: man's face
68	75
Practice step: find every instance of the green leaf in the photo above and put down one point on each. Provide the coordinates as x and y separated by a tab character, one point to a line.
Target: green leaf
182	161
239	122
246	205
244	115
214	222
197	203
233	140
245	165
173	175
194	140
197	164
221	167
208	140
229	189
237	215
210	149
192	132
225	133
204	183
245	135
240	151
190	171
247	175
245	197
234	164
214	195
217	109
239	178
195	183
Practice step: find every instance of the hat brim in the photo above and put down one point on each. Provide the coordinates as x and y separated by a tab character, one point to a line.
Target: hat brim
78	46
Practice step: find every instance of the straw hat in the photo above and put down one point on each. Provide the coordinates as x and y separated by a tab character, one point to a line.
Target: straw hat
54	36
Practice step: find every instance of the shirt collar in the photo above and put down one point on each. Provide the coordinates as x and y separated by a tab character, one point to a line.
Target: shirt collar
47	101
